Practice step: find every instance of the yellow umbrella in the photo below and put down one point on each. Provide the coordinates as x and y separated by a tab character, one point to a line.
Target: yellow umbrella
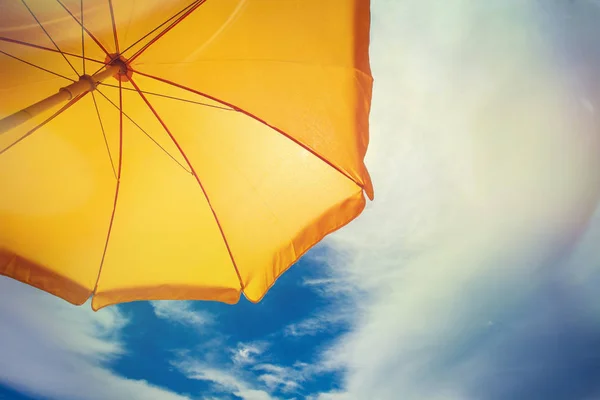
195	149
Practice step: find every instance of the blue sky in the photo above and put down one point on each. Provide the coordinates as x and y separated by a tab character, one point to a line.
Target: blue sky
473	275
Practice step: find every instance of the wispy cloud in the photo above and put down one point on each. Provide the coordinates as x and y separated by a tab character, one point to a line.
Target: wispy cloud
286	379
319	323
245	353
334	289
54	350
329	396
339	295
225	382
246	374
181	312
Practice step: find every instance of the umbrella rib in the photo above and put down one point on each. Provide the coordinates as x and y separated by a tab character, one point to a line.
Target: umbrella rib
50	118
37	46
37	66
84	28
145	133
256	118
118	185
114	25
185	12
112	164
197	180
152	31
82	37
49	37
172	97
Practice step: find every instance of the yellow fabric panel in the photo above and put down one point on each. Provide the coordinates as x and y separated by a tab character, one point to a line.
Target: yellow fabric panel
300	65
265	189
164	240
56	197
16	94
37	83
16	22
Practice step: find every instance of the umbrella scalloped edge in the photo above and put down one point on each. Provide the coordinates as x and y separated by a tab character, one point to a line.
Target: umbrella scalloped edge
165	292
40	277
330	221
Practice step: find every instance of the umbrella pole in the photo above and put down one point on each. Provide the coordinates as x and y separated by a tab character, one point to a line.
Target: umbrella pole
85	83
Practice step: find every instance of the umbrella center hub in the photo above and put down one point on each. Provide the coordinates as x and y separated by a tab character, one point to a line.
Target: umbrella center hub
125	72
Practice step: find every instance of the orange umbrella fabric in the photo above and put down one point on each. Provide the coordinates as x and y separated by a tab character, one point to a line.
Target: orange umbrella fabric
230	141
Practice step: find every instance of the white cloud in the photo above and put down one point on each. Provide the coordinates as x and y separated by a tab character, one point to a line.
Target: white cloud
329	396
285	379
339	311
320	322
324	286
224	381
486	168
245	377
245	353
181	312
274	382
54	350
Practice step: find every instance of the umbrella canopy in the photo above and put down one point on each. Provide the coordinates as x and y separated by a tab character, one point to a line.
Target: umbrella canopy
199	148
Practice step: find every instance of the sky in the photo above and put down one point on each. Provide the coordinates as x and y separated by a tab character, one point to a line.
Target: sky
473	275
